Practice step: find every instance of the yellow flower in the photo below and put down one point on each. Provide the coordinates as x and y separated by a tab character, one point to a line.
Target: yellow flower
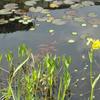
96	44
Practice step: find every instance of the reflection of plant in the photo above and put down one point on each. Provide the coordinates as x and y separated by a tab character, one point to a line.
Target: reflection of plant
95	45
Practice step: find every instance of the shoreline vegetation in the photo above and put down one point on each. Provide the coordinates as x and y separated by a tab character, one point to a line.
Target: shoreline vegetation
47	78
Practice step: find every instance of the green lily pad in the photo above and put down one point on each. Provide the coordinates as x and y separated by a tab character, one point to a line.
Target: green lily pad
92	14
59	22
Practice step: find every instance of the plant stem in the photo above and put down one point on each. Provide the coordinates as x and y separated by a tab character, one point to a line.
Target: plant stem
59	91
91	81
92	92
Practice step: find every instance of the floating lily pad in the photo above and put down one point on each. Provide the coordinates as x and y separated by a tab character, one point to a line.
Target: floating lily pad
92	14
5	12
20	12
79	19
12	19
17	17
87	3
3	21
45	11
69	2
31	9
76	6
11	6
41	19
59	22
30	3
38	9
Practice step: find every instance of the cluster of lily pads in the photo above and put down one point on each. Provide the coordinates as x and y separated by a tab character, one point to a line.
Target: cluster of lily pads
11	13
58	3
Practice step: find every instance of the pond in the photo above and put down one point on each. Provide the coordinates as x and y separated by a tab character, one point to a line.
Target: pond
61	32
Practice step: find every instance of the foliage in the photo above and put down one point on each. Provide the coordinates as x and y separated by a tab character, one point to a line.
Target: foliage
41	78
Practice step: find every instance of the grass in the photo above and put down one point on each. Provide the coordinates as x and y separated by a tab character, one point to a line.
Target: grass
37	80
92	82
43	79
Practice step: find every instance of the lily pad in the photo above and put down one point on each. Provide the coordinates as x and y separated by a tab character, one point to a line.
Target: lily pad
12	19
20	12
5	12
45	11
41	19
69	2
30	3
79	19
59	22
76	6
11	6
92	14
87	3
3	21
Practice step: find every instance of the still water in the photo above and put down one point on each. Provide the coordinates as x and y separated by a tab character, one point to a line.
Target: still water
58	43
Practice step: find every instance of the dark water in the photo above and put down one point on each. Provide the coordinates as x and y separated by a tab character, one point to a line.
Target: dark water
41	36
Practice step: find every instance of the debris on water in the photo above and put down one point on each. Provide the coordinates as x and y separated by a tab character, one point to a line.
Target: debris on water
81	95
94	26
83	25
75	85
51	31
85	68
83	78
74	33
83	56
77	80
76	70
71	41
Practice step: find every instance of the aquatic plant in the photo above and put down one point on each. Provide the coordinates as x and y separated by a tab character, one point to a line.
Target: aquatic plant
30	3
25	20
5	12
36	79
95	45
3	21
11	6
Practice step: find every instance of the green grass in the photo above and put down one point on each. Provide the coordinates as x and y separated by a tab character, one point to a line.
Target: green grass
48	78
36	80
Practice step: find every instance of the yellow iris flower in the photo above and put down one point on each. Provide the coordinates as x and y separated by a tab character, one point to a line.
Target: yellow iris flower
95	44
